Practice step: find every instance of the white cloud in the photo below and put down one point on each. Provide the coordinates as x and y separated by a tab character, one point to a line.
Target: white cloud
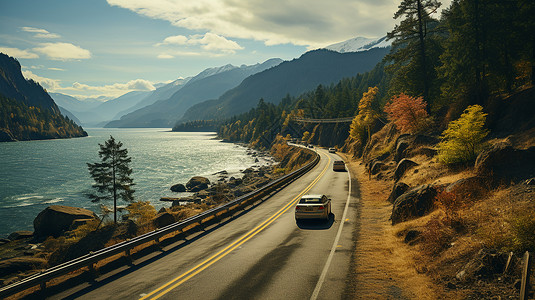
50	84
56	69
40	33
174	40
312	23
111	90
18	53
165	56
210	42
63	51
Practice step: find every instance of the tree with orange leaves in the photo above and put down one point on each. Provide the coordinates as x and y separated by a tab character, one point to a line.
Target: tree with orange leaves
408	113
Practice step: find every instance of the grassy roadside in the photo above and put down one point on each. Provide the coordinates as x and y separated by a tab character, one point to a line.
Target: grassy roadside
383	265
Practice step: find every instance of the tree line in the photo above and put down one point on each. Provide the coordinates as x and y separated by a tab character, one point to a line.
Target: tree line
28	123
475	52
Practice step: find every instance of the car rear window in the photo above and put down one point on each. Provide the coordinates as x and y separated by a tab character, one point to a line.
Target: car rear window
310	200
339	162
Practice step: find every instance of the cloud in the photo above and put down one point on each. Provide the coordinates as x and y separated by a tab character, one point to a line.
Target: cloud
311	23
40	33
111	90
56	69
210	42
49	84
18	53
63	51
165	56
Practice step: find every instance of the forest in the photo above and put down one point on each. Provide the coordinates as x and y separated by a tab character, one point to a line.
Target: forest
20	122
475	53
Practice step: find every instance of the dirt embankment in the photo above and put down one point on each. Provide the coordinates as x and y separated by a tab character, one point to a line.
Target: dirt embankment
384	266
431	231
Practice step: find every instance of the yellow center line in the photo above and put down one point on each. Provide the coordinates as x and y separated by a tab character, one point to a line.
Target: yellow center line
222	253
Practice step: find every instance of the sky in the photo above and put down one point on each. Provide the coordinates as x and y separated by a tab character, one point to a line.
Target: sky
99	48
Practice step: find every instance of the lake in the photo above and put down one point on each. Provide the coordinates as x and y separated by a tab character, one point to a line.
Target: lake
36	174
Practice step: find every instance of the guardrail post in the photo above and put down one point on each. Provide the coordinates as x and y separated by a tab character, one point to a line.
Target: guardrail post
93	271
526	266
128	256
43	286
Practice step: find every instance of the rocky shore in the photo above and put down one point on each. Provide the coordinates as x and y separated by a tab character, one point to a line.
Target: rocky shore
223	186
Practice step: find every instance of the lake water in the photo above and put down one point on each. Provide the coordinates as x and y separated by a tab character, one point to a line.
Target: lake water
36	174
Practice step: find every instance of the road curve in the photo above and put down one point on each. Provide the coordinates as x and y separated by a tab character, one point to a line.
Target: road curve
262	254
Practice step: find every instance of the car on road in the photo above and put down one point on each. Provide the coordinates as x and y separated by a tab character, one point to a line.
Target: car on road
332	150
310	146
339	165
313	207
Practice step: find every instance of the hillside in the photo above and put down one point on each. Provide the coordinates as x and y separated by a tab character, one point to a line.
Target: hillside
14	86
290	77
27	111
210	83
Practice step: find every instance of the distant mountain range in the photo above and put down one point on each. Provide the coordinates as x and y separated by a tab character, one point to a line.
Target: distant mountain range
209	84
290	77
223	91
360	44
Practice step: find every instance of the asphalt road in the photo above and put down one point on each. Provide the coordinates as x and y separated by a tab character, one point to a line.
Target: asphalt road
262	254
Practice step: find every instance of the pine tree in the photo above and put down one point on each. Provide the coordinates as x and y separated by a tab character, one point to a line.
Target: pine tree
112	174
414	49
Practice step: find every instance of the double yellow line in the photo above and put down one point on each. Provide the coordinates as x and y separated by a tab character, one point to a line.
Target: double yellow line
166	288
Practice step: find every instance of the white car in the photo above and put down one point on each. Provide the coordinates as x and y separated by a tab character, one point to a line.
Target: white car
332	150
313	207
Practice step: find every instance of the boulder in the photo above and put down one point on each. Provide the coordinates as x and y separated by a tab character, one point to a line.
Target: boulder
427	151
56	219
485	264
412	237
469	188
197	183
163	219
233	182
178	188
399	189
417	202
20	264
402	144
19	235
377	166
505	163
402	167
409	144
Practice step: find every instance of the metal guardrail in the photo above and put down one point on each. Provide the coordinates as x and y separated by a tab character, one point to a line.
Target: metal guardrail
91	258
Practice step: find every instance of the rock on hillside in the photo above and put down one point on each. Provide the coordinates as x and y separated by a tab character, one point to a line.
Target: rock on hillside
56	219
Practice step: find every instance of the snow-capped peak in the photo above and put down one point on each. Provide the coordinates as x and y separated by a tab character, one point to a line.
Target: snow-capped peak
359	44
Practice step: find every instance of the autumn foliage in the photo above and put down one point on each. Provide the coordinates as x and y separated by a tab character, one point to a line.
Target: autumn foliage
360	127
407	113
462	140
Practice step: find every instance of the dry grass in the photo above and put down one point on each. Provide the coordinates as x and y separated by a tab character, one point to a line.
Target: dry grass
384	265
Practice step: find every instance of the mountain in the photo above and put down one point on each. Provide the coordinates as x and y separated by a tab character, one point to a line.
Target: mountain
160	93
69	115
294	77
27	112
360	44
209	84
73	104
13	85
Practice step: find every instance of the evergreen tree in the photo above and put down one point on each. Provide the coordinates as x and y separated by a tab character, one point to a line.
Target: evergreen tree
112	174
415	48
